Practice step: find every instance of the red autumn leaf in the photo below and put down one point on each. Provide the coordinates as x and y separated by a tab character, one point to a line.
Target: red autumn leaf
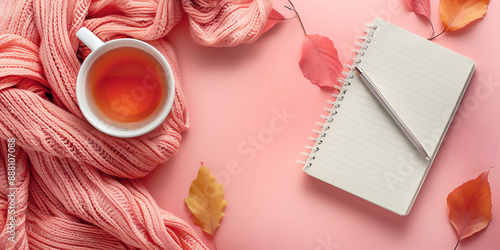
421	7
274	18
458	14
470	206
320	61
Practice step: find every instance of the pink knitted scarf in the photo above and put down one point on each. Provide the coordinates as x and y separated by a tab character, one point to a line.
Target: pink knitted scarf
75	187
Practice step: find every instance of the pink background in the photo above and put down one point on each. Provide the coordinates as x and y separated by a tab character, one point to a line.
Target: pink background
235	97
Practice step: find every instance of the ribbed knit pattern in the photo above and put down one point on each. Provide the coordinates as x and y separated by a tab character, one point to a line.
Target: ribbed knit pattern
76	186
223	23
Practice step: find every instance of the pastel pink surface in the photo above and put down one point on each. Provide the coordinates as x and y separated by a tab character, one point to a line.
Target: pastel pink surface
252	111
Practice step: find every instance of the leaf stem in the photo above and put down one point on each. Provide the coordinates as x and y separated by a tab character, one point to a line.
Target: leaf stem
298	16
430	39
457	244
432	26
215	243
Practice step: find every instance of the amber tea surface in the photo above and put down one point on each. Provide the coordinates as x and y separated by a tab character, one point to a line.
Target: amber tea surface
127	84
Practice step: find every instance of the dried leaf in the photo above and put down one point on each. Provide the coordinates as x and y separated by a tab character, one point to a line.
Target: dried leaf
274	18
458	14
421	7
320	61
205	201
470	206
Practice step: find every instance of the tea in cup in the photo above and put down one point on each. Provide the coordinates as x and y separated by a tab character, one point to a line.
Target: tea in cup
125	87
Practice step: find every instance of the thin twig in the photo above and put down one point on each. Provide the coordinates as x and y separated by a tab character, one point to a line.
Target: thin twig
298	16
432	26
457	244
430	39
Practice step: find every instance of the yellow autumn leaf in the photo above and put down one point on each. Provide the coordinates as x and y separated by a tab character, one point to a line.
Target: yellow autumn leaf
205	201
456	14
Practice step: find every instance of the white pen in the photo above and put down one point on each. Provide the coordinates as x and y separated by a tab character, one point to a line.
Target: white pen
392	113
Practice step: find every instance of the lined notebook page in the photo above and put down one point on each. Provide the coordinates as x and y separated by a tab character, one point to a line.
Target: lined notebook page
363	151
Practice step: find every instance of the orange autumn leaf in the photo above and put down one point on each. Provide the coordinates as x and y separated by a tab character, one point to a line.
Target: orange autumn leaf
205	201
456	14
470	206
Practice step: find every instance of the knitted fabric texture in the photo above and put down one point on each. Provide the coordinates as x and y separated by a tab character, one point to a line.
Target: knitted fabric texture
75	187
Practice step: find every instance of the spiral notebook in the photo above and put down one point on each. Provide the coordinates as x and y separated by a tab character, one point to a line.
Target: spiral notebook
359	148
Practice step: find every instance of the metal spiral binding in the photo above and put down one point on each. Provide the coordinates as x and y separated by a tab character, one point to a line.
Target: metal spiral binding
343	88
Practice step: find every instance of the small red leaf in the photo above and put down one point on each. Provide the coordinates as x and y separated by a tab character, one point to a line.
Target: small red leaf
274	18
470	206
320	61
421	7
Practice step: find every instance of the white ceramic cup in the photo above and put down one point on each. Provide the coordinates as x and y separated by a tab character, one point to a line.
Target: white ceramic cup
87	102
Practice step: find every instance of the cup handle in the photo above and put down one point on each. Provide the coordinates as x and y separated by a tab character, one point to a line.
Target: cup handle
87	37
